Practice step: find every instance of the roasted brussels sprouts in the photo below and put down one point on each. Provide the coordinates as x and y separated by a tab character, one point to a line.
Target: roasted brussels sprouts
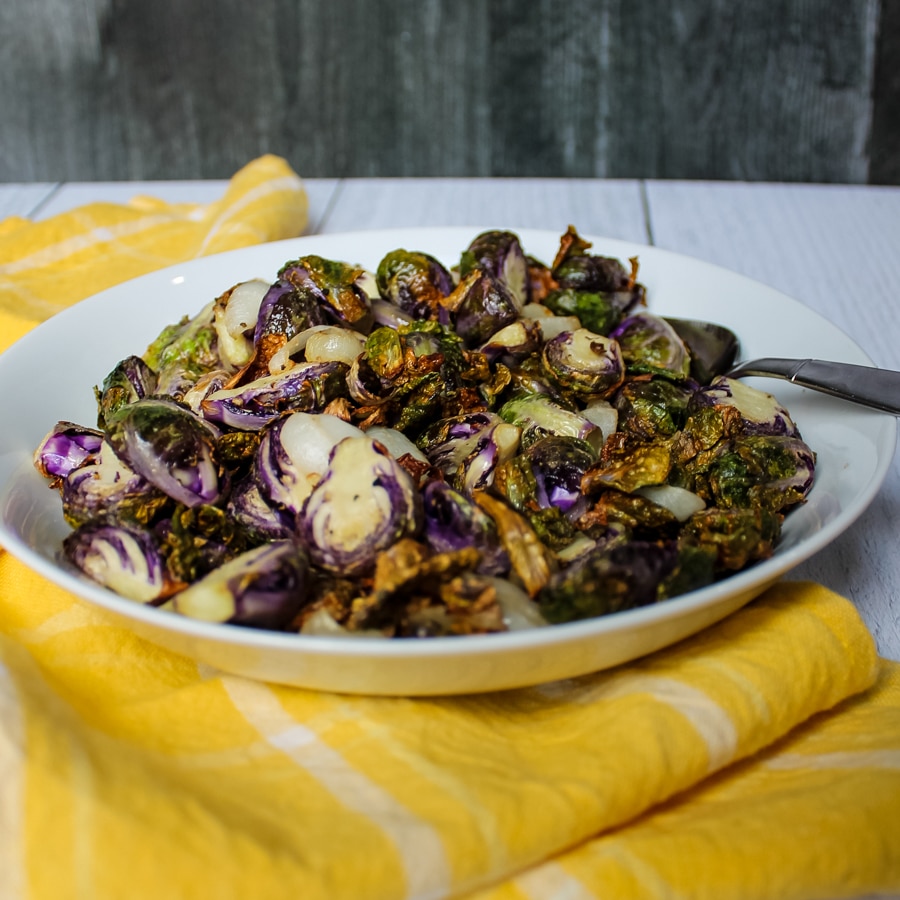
608	580
302	388
538	416
467	449
585	363
421	451
415	282
66	447
132	379
293	455
453	522
124	559
650	345
652	410
364	503
262	588
499	255
169	446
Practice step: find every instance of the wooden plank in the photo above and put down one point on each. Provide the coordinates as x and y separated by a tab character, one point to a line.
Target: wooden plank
611	208
23	199
666	88
834	249
884	167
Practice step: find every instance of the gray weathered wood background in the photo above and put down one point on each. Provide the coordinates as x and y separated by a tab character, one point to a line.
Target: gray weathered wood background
776	90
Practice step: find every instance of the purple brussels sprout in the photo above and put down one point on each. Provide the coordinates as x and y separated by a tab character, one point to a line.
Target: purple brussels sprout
468	448
416	283
124	559
608	580
748	410
482	305
559	464
293	455
287	310
586	363
104	488
249	508
364	503
66	447
261	588
132	379
499	254
514	342
538	416
453	522
301	388
650	345
171	447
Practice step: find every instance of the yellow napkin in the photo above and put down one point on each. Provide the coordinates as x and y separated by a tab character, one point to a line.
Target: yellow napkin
760	758
48	265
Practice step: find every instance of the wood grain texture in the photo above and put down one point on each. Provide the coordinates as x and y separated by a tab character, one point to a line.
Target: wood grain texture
884	166
611	208
138	89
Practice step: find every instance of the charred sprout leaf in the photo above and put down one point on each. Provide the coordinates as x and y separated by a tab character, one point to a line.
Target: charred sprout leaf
499	254
651	346
530	559
540	279
695	569
418	593
170	447
634	512
628	465
66	447
738	537
132	379
584	363
262	588
237	449
195	540
415	282
364	503
123	558
652	410
608	581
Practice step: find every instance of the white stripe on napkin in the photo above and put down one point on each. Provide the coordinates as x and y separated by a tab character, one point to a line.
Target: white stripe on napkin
419	846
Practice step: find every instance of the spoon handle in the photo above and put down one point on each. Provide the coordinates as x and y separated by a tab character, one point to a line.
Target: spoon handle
866	385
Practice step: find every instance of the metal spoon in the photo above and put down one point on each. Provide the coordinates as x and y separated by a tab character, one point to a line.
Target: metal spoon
714	349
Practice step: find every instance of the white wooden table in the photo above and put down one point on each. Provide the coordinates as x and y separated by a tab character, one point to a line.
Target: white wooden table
832	247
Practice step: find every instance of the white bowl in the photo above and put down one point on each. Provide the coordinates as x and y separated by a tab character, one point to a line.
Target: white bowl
49	376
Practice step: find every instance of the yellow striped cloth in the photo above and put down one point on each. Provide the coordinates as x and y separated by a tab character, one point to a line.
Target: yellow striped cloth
48	265
759	759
